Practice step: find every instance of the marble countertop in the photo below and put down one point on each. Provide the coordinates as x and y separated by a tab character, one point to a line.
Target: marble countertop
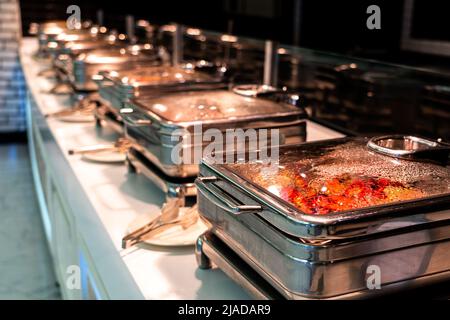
116	199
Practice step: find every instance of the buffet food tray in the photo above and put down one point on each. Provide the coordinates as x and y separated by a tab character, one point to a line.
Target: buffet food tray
333	189
75	42
286	225
157	123
212	252
81	69
54	35
118	86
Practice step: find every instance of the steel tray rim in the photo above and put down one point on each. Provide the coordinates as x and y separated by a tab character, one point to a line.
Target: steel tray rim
294	215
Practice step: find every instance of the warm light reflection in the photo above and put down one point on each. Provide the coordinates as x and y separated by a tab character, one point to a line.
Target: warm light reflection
274	189
160	107
193	32
169	28
228	38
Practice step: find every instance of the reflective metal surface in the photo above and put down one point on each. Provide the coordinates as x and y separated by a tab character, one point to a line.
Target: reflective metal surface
174	188
119	85
411	148
214	252
325	256
155	134
338	225
300	269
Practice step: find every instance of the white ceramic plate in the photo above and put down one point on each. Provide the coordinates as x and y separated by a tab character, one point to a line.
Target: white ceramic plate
173	237
105	157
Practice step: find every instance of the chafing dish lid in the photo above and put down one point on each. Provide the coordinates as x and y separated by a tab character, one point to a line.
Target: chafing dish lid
84	34
118	55
53	27
337	182
81	35
156	75
85	45
212	105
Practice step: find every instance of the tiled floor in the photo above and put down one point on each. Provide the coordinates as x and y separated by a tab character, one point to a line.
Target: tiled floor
26	271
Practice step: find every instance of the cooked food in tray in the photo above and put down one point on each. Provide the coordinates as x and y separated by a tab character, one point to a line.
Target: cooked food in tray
345	177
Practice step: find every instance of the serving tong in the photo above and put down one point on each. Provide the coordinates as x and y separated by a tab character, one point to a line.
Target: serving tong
411	148
61	89
84	106
169	217
121	145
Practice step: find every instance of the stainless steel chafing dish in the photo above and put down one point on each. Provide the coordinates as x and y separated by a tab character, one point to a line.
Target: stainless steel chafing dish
45	31
69	45
80	70
158	123
86	65
76	47
76	41
56	30
51	27
117	86
316	223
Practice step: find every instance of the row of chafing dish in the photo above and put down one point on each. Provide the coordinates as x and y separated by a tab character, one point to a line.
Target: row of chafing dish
128	81
331	220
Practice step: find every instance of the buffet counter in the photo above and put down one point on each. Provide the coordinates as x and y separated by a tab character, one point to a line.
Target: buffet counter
88	207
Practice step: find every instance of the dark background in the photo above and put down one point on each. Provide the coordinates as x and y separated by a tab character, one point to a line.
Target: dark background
325	24
338	26
374	98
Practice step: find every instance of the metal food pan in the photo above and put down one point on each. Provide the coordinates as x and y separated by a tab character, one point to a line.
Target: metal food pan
213	252
343	225
303	270
152	135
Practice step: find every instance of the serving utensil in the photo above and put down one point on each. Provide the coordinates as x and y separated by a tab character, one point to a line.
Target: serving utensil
411	148
169	212
363	209
84	106
61	89
48	73
186	221
121	145
72	111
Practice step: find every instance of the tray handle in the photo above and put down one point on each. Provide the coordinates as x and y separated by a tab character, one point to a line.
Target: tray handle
221	198
134	118
102	81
